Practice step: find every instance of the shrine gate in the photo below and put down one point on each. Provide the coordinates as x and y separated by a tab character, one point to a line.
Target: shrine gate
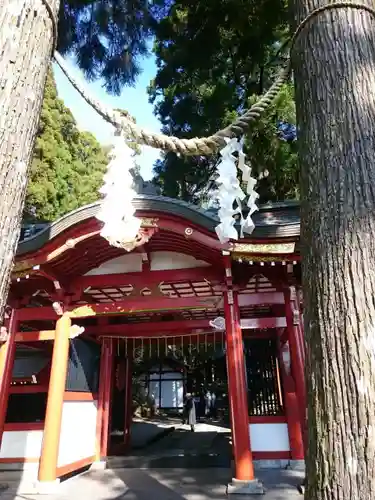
76	304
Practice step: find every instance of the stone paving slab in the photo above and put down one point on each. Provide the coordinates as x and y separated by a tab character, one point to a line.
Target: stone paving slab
165	484
143	431
182	449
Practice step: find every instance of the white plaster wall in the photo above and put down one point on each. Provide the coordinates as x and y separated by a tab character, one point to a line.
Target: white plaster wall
252	323
78	431
269	437
21	444
161	261
130	263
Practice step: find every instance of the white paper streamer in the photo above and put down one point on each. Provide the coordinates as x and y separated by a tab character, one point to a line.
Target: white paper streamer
230	191
117	211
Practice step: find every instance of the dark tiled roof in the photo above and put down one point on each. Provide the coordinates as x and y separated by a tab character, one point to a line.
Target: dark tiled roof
278	220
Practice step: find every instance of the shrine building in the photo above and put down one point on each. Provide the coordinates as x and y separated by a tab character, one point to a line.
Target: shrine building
80	310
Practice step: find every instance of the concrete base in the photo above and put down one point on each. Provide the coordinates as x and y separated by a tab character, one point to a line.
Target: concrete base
237	487
38	487
99	465
297	465
271	464
20	466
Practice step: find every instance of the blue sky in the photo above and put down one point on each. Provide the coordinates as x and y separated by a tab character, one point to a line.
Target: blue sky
135	100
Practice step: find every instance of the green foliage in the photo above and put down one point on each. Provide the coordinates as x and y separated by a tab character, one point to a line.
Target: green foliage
213	58
274	161
68	165
107	38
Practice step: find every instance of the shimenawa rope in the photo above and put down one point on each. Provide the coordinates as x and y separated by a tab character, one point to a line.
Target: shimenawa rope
203	145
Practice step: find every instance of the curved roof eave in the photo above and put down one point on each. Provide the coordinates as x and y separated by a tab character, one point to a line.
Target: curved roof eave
280	220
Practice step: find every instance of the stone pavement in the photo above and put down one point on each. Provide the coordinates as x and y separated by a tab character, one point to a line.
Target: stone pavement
165	484
143	431
181	466
209	446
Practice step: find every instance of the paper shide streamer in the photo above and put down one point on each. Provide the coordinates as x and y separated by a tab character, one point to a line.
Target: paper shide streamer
230	192
120	226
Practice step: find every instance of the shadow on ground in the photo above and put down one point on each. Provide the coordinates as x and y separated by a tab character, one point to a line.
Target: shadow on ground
165	484
181	466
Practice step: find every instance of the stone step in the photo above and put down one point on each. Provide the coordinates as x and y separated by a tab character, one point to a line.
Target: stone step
178	459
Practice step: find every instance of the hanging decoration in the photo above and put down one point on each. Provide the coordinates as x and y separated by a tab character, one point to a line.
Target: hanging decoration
117	213
218	323
230	192
120	227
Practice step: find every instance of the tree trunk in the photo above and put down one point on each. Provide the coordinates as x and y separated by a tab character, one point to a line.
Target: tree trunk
25	49
334	69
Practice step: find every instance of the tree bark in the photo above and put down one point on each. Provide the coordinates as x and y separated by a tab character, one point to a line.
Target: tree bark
334	70
26	40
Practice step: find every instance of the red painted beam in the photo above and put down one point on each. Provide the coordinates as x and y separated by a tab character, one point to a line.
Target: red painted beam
35	336
139	304
28	389
260	299
177	328
173	328
185	338
127	306
147	278
135	304
189	230
164	328
167	328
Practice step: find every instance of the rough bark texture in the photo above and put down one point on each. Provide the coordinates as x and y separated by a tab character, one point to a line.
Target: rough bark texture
25	51
334	65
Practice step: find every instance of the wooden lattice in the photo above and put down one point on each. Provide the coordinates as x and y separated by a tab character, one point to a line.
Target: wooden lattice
262	377
258	284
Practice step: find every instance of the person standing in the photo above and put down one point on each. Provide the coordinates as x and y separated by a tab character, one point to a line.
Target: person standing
301	487
207	398
213	405
201	405
190	415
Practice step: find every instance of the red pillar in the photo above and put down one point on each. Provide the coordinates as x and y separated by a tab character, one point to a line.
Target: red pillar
128	401
291	406
301	334
302	348
99	417
106	380
7	353
297	354
244	470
